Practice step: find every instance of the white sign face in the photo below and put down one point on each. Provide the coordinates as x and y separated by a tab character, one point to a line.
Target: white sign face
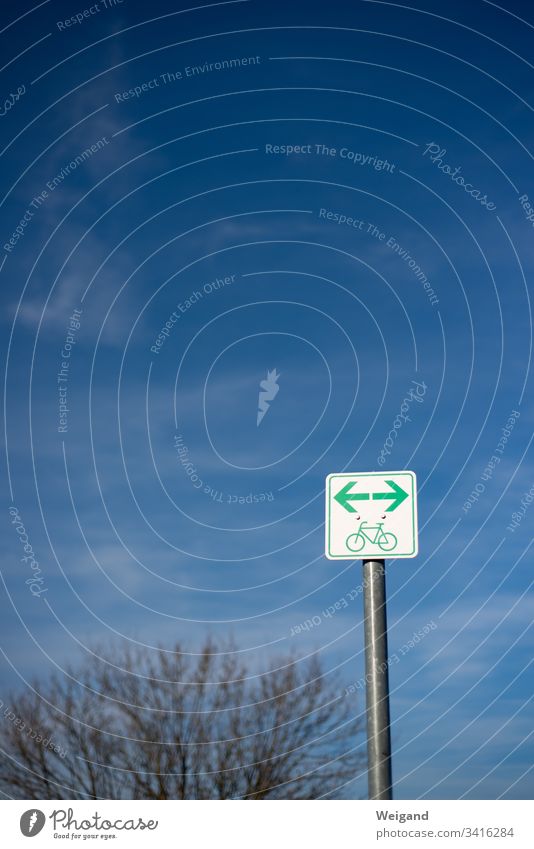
371	514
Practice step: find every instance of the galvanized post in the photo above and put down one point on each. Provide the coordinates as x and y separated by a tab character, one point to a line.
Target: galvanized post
377	679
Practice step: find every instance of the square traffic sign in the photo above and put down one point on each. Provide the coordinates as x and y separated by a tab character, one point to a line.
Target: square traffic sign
371	514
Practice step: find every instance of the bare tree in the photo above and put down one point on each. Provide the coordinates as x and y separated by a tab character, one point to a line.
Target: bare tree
171	725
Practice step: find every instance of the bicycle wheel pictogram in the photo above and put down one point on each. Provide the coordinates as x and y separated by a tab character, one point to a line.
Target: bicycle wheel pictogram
387	541
355	542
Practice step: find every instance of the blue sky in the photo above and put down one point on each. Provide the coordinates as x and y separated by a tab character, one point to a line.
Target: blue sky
189	183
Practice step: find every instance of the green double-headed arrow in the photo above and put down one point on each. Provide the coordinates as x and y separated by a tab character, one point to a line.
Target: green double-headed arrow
397	495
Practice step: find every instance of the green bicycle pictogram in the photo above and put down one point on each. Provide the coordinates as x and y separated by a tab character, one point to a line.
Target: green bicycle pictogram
385	540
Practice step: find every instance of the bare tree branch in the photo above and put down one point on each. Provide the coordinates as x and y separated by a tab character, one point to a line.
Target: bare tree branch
170	725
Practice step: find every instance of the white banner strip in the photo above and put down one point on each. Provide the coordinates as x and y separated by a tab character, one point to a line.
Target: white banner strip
418	825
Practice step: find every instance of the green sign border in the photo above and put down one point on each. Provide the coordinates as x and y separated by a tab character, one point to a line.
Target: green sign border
413	494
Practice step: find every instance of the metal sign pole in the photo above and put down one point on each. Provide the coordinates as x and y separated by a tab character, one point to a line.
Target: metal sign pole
377	678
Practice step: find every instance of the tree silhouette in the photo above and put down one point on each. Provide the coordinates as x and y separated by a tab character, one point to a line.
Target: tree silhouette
168	724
